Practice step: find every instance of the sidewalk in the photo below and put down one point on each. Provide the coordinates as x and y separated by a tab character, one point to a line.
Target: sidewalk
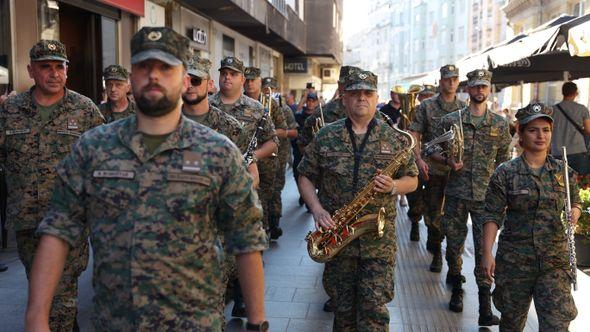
294	294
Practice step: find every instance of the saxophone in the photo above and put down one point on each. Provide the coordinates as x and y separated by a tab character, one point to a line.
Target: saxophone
323	245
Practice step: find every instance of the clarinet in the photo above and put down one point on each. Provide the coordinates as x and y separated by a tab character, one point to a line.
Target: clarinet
571	244
249	154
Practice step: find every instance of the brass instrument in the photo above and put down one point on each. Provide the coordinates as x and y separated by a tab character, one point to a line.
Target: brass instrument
253	143
408	103
457	148
571	243
323	245
319	122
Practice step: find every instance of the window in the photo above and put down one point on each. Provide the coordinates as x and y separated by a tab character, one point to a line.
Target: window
48	12
228	46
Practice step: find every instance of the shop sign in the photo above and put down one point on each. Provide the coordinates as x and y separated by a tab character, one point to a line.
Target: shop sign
295	65
198	35
136	7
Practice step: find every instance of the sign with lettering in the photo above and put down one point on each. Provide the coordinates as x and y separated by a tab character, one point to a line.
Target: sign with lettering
198	35
295	65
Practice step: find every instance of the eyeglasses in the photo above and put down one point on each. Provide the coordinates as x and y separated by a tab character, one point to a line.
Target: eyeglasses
196	81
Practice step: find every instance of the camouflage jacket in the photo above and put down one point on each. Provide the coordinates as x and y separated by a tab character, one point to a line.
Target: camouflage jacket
486	147
529	208
333	111
285	143
328	162
110	116
225	124
153	221
426	121
249	112
30	149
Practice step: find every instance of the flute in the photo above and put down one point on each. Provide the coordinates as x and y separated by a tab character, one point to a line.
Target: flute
571	244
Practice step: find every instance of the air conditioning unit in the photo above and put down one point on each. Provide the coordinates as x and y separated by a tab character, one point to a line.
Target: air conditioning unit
329	73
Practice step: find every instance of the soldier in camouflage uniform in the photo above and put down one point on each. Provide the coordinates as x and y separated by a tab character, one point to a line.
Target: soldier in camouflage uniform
154	195
332	111
526	196
434	175
267	167
118	105
359	279
249	112
38	128
486	140
275	204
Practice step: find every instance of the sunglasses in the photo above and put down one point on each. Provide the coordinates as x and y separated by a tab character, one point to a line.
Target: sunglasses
196	81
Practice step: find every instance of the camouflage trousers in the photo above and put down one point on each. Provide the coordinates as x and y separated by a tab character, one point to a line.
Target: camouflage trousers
416	203
517	285
434	196
359	290
267	172
64	309
454	225
276	205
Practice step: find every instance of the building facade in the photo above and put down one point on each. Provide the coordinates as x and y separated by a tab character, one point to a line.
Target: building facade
264	33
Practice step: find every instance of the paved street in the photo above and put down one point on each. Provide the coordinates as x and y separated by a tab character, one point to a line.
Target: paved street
294	294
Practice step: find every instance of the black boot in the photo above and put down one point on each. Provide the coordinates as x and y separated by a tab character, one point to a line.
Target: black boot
415	231
328	306
275	230
449	279
436	265
486	317
456	303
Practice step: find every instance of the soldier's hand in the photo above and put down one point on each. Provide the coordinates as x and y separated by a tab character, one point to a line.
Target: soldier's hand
383	183
455	166
574	215
253	170
488	265
423	168
322	219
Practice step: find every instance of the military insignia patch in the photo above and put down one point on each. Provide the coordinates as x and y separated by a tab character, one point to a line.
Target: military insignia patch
362	76
229	61
190	162
73	124
537	108
154	35
559	179
494	132
51	47
386	148
480	73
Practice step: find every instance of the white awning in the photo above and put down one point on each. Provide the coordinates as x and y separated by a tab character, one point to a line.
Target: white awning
579	40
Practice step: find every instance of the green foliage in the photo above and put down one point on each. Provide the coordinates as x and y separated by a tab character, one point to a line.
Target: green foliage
583	226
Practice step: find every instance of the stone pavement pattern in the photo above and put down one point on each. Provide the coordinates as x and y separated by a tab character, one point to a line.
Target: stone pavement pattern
294	295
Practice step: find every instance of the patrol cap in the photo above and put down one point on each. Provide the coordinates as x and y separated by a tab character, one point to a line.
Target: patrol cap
162	44
346	71
533	111
232	63
251	73
115	72
270	82
479	77
199	67
312	95
48	50
428	89
362	80
449	71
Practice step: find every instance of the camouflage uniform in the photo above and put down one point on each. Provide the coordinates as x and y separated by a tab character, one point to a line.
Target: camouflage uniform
118	73
224	124
359	280
31	148
154	222
532	258
426	122
333	111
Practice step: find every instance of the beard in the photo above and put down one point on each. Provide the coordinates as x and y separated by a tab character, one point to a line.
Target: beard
474	99
195	101
156	108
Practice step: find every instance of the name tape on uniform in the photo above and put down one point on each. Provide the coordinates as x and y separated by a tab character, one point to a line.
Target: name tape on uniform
191	178
10	132
108	174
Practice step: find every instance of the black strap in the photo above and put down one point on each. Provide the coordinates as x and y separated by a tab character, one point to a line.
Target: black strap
578	127
358	153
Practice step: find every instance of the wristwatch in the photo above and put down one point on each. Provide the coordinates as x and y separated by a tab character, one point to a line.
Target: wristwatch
262	327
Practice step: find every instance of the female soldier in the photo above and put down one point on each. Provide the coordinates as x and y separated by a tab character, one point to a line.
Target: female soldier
532	257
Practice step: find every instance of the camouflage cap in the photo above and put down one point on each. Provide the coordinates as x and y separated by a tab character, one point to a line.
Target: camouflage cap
449	71
533	111
428	89
345	71
115	72
199	67
251	73
362	80
162	44
48	50
270	82
479	77
232	63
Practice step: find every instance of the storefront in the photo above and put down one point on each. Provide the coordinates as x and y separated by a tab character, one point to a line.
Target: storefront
197	29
